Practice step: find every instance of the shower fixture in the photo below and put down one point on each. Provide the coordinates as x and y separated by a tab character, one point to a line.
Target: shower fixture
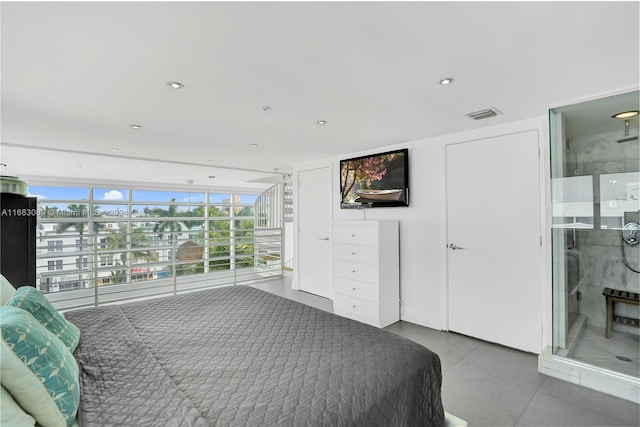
626	116
626	137
630	236
613	203
631	233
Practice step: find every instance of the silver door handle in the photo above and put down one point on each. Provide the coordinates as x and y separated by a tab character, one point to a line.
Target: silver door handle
323	238
453	246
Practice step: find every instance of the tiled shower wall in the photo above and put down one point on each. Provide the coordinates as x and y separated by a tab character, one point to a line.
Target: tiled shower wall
599	249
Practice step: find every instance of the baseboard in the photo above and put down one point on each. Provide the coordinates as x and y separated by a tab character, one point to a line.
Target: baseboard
583	374
419	317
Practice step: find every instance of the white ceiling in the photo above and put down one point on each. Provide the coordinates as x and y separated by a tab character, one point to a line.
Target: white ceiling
76	75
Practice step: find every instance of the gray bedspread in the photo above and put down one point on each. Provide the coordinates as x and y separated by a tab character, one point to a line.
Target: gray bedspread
239	356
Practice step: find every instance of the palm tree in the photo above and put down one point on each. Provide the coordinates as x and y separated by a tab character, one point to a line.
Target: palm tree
173	225
168	225
50	212
79	211
219	243
139	244
191	223
245	232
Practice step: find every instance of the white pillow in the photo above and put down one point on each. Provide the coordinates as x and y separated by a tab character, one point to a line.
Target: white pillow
11	414
6	290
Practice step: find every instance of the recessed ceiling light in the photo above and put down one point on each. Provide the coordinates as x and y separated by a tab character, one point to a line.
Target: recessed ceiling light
625	114
175	85
253	145
321	122
114	149
135	126
211	176
446	81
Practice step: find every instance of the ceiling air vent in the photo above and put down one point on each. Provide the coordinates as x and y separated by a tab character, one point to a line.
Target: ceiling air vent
483	114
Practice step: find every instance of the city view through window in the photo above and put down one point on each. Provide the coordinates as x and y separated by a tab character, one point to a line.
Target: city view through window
119	243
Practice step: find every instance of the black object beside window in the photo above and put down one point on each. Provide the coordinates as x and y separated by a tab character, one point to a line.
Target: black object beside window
18	221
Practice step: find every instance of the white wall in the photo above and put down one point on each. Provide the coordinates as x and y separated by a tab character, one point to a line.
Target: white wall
422	231
423	239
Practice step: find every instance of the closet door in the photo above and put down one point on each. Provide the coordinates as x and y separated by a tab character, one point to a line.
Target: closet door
314	231
494	240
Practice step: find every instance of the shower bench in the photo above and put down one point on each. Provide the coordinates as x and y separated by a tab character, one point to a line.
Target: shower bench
625	297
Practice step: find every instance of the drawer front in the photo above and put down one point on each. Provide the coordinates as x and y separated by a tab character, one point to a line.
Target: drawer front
353	271
354	253
356	235
343	305
354	289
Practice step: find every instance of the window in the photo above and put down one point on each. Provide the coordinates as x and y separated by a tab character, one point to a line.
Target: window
68	286
106	261
82	263
55	265
55	245
126	235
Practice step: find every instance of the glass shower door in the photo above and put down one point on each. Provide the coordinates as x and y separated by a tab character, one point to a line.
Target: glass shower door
595	181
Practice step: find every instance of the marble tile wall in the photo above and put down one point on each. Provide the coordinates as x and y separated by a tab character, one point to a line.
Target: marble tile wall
602	154
601	266
601	261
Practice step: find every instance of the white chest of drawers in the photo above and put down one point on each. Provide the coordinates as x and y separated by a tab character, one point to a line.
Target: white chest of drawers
366	271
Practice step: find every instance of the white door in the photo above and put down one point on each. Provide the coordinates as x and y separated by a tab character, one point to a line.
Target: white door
494	240
314	231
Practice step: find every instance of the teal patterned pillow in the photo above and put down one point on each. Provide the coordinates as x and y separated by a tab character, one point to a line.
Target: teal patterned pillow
31	300
37	369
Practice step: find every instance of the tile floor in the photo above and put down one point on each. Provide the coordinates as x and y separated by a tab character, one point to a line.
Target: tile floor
491	385
597	350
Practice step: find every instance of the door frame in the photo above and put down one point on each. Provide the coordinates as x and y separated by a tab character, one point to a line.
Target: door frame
541	127
296	215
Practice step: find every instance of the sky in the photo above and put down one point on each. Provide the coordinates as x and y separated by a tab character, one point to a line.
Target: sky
44	193
113	202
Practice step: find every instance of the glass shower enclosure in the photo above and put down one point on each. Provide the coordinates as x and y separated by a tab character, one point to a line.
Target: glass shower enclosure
595	191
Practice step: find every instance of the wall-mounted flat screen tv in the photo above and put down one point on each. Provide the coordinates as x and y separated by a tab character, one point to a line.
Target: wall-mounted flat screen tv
377	180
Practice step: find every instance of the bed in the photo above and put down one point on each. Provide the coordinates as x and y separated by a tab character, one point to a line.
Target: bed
239	356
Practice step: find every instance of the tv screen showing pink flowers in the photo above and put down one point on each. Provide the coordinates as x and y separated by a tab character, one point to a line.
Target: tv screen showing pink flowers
377	180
